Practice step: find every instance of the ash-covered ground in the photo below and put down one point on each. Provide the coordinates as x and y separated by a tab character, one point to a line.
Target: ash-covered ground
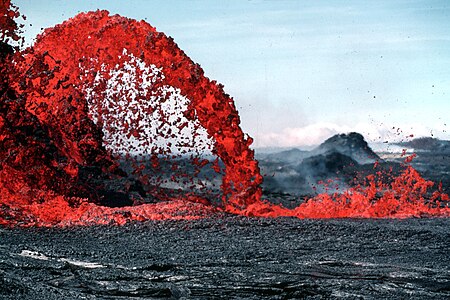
230	258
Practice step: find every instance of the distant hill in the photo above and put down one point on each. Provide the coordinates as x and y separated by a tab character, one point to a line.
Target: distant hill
427	144
352	145
343	158
347	159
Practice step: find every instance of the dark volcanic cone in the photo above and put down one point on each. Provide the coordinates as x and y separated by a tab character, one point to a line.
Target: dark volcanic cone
352	145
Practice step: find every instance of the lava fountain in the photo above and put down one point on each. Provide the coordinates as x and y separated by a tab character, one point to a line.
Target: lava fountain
105	120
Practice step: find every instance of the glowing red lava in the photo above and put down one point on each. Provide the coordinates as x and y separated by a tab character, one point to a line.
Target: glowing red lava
98	90
406	196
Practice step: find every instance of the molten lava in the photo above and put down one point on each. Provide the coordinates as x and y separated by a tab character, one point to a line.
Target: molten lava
105	120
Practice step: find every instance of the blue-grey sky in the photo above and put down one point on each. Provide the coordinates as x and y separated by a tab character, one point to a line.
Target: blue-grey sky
300	71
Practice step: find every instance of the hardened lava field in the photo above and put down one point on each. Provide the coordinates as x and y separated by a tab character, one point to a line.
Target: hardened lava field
229	257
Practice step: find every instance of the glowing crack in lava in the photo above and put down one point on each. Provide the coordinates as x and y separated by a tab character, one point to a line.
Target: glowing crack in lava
105	120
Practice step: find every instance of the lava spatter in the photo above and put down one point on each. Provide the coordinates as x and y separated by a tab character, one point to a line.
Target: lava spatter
105	120
406	195
96	41
104	89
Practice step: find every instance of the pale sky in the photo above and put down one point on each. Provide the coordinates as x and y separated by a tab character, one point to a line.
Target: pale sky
301	71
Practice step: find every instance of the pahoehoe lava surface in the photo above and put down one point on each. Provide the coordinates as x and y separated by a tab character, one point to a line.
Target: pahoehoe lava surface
231	257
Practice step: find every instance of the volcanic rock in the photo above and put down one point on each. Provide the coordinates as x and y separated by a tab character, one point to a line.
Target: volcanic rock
327	164
352	145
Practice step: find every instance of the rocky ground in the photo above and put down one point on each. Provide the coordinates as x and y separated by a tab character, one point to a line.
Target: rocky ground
230	257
